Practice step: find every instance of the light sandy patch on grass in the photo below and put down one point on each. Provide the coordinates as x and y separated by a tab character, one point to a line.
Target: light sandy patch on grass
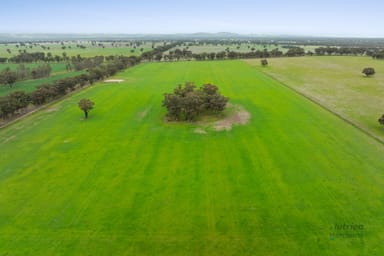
200	130
238	117
222	121
53	109
143	113
112	81
9	139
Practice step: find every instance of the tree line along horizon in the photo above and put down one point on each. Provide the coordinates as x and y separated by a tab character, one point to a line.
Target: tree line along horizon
182	51
99	67
77	63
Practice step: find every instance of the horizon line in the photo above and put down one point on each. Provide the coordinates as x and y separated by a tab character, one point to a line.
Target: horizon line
190	34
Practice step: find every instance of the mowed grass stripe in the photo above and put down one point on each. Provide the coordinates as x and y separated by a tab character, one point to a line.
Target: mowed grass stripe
125	182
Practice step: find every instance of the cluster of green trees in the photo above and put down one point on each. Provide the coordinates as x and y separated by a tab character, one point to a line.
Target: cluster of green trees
9	77
35	73
379	55
80	63
25	57
157	53
381	120
17	102
186	103
295	52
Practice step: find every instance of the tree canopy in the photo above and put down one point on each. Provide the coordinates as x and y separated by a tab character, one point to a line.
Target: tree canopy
186	103
86	105
369	71
381	120
8	77
264	62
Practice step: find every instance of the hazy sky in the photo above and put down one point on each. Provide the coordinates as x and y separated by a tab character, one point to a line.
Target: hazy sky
322	18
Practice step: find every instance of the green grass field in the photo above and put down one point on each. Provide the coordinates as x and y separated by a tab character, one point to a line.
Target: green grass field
31	85
71	49
58	72
337	83
126	183
56	67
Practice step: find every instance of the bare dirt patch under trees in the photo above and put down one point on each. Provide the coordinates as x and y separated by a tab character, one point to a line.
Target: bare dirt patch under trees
238	116
234	115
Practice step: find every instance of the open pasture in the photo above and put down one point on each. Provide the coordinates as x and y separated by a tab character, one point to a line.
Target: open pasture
58	72
126	183
338	84
84	48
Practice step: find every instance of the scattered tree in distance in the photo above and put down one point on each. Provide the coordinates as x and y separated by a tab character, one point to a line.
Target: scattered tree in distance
369	71
86	105
264	62
8	77
381	120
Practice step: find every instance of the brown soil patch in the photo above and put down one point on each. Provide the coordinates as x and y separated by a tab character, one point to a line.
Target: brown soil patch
239	117
233	115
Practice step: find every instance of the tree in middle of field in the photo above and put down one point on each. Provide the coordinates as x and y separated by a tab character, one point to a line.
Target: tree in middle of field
186	103
369	71
381	120
264	62
86	105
